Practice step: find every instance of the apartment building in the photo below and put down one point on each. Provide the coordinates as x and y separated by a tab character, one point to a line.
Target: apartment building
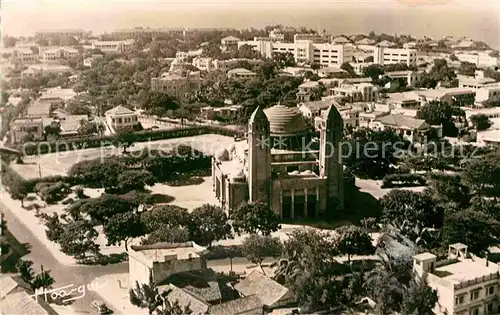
209	64
56	54
385	55
184	55
480	59
466	284
59	33
114	46
23	55
229	43
175	85
305	51
361	92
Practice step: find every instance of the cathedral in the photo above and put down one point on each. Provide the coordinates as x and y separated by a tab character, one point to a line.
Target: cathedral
281	162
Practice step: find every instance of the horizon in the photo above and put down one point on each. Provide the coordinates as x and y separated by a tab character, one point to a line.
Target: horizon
478	20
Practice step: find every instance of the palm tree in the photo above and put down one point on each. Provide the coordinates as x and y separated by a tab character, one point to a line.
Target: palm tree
24	268
43	280
146	295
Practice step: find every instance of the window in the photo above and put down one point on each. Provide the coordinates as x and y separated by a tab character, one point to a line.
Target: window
474	295
490	308
490	290
460	299
474	311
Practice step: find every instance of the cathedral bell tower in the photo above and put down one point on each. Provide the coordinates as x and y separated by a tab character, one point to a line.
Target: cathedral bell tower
330	164
259	157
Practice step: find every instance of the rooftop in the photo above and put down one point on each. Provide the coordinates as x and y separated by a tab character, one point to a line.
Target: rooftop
399	120
242	305
39	109
317	105
241	71
466	270
265	288
424	256
309	84
119	110
232	38
160	252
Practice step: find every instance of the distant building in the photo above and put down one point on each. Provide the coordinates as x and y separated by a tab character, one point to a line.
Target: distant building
312	37
56	54
474	82
114	46
182	56
23	55
411	129
60	33
384	56
163	260
480	59
91	61
487	94
465	283
209	64
21	127
241	73
307	90
36	69
410	77
121	117
176	85
227	112
361	92
229	43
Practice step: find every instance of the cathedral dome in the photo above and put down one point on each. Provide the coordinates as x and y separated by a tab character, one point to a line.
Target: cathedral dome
285	121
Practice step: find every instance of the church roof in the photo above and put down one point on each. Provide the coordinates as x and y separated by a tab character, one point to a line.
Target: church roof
285	120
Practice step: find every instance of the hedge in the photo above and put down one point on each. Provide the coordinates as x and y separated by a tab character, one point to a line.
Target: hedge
403	180
44	147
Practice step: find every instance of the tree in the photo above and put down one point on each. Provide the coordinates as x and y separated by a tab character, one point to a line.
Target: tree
373	71
440	113
9	41
410	211
103	208
146	295
165	216
208	224
159	103
135	180
257	247
255	217
448	188
467	68
474	228
78	239
43	280
18	189
315	66
167	234
124	140
346	66
26	271
483	175
368	59
493	53
284	60
453	57
353	240
96	173
480	122
122	227
419	299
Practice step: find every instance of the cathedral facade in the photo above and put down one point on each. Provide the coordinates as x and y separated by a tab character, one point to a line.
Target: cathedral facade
280	162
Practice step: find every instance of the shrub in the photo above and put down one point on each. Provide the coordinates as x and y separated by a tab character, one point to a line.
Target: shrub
403	180
223	252
52	192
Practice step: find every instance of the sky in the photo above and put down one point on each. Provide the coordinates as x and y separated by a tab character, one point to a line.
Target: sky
479	19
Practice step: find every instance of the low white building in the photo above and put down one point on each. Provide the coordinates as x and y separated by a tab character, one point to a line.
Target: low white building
121	117
465	283
23	55
409	128
56	54
114	46
411	77
488	93
474	82
22	127
480	59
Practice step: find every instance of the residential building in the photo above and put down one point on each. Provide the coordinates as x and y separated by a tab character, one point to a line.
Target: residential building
411	129
70	124
307	90
36	69
493	112
386	44
340	40
271	293
313	109
120	117
60	33
384	56
241	73
314	38
56	97
23	55
40	109
229	43
114	46
209	64
277	35
162	260
489	93
474	82
489	138
410	77
366	44
459	96
361	92
403	100
56	54
315	112
21	127
17	298
176	85
366	118
305	51
301	182
226	113
329	71
480	59
359	67
91	61
465	283
183	56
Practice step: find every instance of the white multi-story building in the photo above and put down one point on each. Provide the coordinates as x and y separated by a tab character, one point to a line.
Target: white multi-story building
182	56
466	285
54	54
120	117
305	51
114	46
315	38
229	42
384	56
59	33
362	92
474	82
480	59
23	55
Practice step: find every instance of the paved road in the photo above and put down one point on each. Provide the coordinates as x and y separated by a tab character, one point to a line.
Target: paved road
63	275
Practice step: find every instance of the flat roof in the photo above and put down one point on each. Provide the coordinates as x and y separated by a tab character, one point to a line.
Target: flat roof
467	270
424	256
157	252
